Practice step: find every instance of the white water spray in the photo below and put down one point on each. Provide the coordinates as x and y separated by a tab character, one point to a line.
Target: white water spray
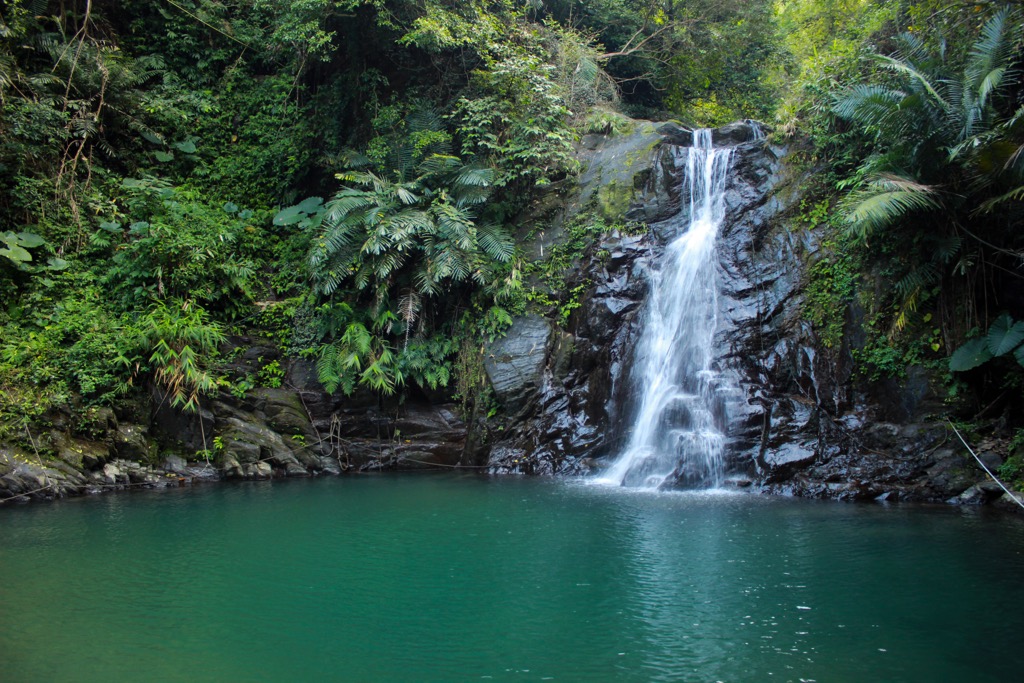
678	434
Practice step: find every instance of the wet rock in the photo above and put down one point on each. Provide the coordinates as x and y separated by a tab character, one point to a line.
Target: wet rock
991	459
174	463
979	494
132	442
621	176
231	466
781	462
241	448
800	422
1011	502
283	410
112	474
736	133
294	469
186	432
81	453
330	465
675	133
515	363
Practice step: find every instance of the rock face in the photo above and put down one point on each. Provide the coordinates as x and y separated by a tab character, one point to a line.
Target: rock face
801	423
515	363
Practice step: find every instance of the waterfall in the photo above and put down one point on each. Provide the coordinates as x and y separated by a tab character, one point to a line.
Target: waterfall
678	431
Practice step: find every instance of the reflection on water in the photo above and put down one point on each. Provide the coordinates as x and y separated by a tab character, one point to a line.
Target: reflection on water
425	578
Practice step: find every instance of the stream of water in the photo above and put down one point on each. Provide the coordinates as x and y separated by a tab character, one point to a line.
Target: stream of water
678	432
463	578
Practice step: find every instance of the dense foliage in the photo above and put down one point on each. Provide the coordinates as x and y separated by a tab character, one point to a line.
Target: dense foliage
344	177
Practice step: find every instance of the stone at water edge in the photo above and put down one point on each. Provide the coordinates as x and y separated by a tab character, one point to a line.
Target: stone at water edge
1011	501
174	463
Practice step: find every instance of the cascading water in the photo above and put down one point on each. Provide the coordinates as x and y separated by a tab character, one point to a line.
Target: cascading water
678	433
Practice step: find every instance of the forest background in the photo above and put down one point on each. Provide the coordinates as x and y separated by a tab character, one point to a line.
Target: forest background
345	178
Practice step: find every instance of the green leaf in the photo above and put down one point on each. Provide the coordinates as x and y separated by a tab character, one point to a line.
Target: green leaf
186	147
111	226
246	214
1019	355
30	240
163	157
54	263
1004	335
231	207
289	216
150	137
970	355
16	254
310	204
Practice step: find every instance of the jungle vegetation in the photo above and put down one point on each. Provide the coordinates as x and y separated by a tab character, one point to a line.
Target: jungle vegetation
347	177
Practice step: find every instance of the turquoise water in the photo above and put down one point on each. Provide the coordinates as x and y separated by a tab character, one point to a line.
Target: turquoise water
448	578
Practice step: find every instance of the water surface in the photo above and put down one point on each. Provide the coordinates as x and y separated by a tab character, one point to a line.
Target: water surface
452	578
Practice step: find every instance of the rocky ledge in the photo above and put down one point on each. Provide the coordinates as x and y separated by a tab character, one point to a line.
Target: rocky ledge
295	430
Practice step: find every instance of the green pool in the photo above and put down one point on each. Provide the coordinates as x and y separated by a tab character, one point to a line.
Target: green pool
460	578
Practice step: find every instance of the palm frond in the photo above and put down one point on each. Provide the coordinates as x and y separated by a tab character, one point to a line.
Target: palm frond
386	263
425	282
495	242
990	83
411	221
945	248
439	164
474	176
885	200
908	69
406	196
911	48
989	205
867	104
990	50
